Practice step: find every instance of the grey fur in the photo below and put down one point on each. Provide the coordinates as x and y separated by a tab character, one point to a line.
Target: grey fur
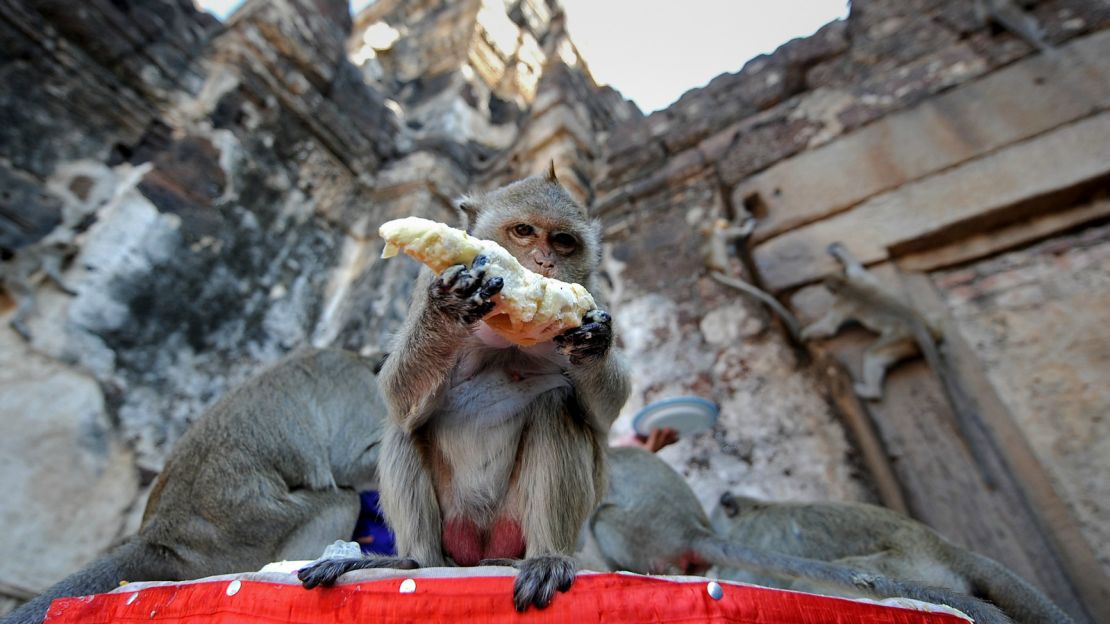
539	462
271	472
903	331
880	541
651	522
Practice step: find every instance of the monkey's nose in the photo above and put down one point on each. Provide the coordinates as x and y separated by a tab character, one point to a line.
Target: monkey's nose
544	267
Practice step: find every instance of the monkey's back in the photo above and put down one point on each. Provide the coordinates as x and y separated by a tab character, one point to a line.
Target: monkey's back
239	479
866	536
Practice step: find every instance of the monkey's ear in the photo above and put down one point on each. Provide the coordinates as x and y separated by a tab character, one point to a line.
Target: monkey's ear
551	174
469	208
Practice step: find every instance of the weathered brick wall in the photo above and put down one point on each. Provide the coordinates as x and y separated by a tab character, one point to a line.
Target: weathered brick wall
1037	318
924	139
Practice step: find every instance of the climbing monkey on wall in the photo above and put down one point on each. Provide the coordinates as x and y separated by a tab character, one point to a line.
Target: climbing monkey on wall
493	452
651	523
903	332
271	472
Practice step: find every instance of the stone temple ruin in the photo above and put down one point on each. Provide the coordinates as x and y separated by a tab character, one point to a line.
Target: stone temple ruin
211	193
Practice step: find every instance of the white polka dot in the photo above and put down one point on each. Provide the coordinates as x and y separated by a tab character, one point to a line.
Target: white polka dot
233	588
408	586
132	597
716	592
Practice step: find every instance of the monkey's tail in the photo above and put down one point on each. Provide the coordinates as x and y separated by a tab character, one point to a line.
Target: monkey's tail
1013	594
729	554
132	561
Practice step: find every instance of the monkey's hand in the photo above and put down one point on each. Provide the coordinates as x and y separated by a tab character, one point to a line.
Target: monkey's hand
327	571
589	342
539	578
465	293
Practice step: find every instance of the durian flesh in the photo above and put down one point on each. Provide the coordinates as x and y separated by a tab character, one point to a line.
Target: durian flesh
529	309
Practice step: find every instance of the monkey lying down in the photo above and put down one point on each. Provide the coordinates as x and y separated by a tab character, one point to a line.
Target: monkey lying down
651	522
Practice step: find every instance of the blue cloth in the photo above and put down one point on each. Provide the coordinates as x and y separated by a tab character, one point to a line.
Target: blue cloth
371	523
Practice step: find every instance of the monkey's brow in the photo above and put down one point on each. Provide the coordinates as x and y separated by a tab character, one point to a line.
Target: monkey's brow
546	224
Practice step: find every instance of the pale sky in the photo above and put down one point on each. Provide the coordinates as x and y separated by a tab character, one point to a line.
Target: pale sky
653	51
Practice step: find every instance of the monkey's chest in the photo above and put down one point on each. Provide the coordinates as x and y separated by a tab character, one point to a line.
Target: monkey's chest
494	395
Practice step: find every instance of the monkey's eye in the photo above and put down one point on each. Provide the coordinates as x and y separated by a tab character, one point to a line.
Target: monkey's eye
523	230
564	243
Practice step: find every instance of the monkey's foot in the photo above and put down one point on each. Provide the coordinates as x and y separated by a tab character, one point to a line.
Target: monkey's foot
539	578
326	571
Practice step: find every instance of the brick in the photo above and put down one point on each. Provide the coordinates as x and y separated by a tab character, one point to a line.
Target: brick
1078	153
1008	106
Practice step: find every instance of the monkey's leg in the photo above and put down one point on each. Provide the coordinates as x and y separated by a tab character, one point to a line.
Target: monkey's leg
556	486
333	516
878	357
408	499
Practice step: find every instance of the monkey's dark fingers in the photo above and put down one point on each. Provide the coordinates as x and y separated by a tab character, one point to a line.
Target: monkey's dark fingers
540	578
479	304
590	336
473	281
470	279
598	316
327	571
447	279
492	286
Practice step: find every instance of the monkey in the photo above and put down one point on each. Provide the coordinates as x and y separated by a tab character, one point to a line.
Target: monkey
494	453
650	522
24	267
718	236
903	332
876	540
271	472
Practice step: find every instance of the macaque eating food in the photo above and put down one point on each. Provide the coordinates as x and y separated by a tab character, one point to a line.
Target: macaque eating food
530	308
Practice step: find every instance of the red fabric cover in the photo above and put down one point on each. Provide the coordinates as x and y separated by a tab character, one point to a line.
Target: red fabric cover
604	598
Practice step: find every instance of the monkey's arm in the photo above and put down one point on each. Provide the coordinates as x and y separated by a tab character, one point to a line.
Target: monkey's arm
418	369
599	372
602	388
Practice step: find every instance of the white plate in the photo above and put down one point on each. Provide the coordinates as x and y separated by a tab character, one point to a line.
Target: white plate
686	415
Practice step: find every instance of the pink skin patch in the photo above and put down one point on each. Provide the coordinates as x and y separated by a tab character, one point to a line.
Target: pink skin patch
506	540
692	564
461	541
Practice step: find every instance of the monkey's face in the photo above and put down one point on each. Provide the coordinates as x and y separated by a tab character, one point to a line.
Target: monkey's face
541	225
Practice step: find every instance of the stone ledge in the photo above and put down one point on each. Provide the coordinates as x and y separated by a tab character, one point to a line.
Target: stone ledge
1061	159
952	128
